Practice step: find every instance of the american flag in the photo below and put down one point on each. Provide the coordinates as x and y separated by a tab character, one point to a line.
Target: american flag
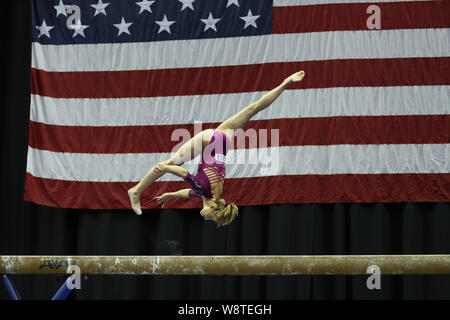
111	81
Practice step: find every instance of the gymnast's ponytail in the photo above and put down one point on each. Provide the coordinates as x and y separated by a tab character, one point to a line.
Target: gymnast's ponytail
225	212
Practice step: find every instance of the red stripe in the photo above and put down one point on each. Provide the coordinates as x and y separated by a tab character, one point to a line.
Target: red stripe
243	78
417	129
289	189
354	16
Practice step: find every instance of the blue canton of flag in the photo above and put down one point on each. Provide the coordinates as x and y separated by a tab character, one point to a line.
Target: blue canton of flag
111	21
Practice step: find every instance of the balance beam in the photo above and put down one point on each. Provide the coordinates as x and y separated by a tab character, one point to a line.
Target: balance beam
227	265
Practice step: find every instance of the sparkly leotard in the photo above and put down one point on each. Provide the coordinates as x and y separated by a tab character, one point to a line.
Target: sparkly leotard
211	168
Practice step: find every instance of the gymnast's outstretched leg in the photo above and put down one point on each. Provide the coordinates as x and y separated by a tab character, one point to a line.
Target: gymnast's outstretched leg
188	151
240	119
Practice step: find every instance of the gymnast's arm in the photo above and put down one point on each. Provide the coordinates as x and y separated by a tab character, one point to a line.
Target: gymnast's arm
162	199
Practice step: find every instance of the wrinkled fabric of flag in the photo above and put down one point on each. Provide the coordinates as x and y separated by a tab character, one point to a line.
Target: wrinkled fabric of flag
118	85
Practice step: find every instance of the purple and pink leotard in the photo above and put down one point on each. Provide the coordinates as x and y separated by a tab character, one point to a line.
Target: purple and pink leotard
211	168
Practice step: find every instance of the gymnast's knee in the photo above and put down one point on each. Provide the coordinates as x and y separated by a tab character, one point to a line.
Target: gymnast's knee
176	160
165	162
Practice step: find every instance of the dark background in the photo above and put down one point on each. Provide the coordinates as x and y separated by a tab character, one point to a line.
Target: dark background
29	229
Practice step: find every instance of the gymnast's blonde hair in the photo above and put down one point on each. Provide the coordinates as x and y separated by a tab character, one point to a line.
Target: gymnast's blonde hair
224	214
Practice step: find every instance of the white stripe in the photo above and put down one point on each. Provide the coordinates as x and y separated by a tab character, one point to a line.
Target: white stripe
244	50
335	159
288	3
349	101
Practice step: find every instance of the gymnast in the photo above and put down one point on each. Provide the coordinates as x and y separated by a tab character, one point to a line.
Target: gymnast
213	145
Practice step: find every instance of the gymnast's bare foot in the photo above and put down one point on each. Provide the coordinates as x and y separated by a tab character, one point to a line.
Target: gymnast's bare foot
135	201
298	76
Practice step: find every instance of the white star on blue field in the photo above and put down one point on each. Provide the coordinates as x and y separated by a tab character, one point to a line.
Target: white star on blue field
113	21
